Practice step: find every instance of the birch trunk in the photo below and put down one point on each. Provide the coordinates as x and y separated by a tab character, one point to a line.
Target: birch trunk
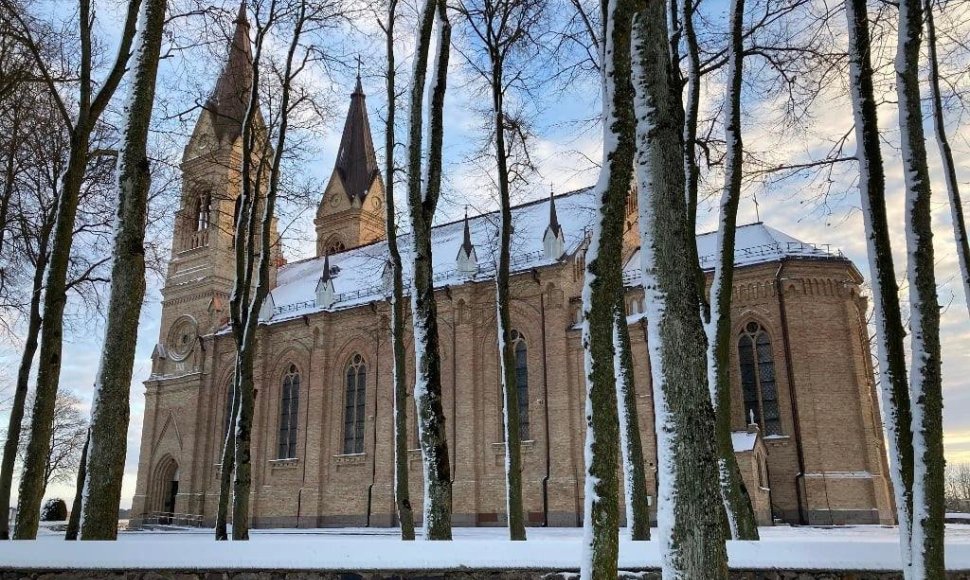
946	157
737	503
506	348
55	294
925	379
110	410
401	489
689	504
601	287
18	406
74	522
423	191
890	332
631	448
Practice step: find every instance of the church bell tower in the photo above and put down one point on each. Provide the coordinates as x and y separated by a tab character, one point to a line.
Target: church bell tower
351	212
201	271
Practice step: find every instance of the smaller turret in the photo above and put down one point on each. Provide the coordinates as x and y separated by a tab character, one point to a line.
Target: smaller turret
467	259
553	241
325	293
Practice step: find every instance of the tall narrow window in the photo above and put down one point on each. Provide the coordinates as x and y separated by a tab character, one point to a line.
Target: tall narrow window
203	207
758	384
522	382
289	413
354	402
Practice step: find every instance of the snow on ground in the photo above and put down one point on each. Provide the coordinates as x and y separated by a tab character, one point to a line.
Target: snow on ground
852	548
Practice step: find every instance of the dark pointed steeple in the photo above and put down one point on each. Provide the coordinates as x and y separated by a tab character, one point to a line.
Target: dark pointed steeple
466	245
230	98
326	275
553	218
356	163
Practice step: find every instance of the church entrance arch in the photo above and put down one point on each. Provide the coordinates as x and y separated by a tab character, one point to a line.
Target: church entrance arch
165	488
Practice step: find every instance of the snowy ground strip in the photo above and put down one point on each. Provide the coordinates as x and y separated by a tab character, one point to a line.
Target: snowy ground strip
848	548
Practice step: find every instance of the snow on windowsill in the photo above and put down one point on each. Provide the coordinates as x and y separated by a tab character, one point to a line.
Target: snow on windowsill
284	463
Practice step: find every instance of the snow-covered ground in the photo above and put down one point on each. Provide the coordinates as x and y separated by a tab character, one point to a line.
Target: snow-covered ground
855	548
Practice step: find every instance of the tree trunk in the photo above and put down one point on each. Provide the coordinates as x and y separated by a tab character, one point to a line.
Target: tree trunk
245	313
691	170
111	409
689	503
74	523
402	493
601	287
15	425
925	379
424	311
890	332
742	524
946	157
227	465
634	478
506	348
55	292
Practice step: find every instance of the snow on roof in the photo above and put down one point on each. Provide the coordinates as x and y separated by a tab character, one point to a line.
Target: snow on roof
755	243
358	272
743	440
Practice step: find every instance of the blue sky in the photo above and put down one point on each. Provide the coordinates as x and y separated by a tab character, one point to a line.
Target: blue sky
562	153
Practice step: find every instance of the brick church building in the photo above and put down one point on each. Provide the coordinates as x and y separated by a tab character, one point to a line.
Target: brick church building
808	430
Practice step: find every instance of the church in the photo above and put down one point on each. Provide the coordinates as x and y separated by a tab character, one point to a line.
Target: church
808	434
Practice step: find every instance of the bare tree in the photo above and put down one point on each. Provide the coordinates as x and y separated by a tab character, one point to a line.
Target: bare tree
890	332
68	431
401	468
690	511
946	155
742	524
925	378
107	443
601	286
502	54
90	105
424	189
958	487
264	146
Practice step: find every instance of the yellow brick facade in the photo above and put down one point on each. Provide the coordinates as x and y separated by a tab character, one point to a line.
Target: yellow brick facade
827	464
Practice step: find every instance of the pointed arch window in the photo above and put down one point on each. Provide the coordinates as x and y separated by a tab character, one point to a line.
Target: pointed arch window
203	210
289	413
354	403
521	381
758	385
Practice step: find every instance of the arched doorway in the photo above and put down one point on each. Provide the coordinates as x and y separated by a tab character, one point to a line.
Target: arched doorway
165	488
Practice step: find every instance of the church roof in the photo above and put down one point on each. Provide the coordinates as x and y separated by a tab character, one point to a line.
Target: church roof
230	98
356	163
358	278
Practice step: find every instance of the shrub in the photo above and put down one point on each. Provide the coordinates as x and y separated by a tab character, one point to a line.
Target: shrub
54	510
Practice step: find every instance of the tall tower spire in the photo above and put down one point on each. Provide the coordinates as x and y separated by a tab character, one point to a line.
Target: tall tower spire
351	212
230	98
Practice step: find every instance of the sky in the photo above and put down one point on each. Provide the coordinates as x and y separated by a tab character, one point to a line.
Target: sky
565	155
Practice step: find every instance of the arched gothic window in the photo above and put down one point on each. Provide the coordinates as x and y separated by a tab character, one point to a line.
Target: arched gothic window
521	382
758	385
203	208
289	413
354	403
335	246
